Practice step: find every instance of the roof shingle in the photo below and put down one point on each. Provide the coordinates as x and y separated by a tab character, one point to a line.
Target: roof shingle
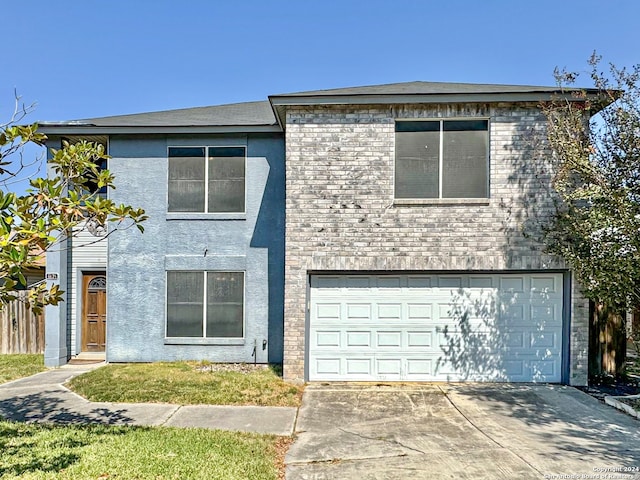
234	114
424	88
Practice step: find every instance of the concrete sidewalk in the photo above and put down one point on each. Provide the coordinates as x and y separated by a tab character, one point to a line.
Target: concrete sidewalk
43	398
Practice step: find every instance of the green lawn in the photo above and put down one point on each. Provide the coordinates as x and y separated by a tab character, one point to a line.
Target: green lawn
32	451
184	383
20	365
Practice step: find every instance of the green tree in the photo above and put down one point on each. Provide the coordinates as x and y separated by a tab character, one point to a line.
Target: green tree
52	209
595	139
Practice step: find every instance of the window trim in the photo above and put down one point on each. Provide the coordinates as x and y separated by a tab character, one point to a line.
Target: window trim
176	215
204	340
442	200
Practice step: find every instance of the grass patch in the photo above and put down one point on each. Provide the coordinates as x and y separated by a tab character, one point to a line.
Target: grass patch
35	451
632	402
633	366
185	383
20	365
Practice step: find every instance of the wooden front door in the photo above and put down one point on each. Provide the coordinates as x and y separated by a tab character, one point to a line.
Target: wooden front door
94	312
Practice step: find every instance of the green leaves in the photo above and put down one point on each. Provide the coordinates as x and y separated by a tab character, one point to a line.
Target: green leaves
596	226
52	207
6	200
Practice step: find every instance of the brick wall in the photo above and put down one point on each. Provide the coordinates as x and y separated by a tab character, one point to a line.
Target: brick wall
340	212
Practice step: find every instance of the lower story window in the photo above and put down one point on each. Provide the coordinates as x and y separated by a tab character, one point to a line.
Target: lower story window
205	304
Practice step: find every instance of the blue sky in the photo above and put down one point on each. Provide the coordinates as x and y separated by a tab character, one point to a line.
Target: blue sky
80	58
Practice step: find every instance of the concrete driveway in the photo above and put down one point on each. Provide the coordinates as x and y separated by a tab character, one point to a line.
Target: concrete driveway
460	431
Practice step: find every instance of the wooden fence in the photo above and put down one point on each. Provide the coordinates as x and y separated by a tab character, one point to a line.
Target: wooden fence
21	331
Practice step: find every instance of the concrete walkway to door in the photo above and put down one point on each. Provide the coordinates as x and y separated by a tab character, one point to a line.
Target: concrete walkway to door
460	431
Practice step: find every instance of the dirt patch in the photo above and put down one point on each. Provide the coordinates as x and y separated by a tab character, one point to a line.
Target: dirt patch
281	447
604	386
618	388
230	367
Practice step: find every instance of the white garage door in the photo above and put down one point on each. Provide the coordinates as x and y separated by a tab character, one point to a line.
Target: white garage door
493	327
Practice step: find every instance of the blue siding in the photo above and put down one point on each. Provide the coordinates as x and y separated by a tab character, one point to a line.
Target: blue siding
137	263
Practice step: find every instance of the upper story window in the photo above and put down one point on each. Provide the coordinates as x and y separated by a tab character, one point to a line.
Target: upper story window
207	179
91	184
442	159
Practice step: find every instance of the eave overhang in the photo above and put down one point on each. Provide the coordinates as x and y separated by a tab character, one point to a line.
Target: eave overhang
50	128
281	102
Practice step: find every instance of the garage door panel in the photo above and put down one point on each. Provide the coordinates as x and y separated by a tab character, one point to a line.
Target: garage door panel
419	284
419	339
513	315
388	339
358	311
468	311
389	284
501	327
325	338
512	284
347	339
516	340
358	283
359	366
444	311
546	284
450	282
444	370
370	368
389	311
545	339
419	311
549	314
358	339
447	336
328	283
515	369
482	282
327	366
325	311
419	369
542	371
389	366
532	341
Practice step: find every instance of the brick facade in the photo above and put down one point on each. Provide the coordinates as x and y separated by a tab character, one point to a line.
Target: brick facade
341	216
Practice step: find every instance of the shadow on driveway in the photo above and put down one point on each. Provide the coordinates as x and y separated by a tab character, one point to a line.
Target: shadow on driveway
474	431
559	429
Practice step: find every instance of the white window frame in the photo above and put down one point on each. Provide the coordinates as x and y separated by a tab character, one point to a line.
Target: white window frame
204	308
206	181
440	199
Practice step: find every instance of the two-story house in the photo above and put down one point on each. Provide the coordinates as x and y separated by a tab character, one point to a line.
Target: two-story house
367	233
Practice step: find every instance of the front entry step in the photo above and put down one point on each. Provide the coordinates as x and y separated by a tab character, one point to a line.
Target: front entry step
87	357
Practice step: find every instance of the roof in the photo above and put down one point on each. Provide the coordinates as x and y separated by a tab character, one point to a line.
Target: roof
249	113
268	116
424	88
248	116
